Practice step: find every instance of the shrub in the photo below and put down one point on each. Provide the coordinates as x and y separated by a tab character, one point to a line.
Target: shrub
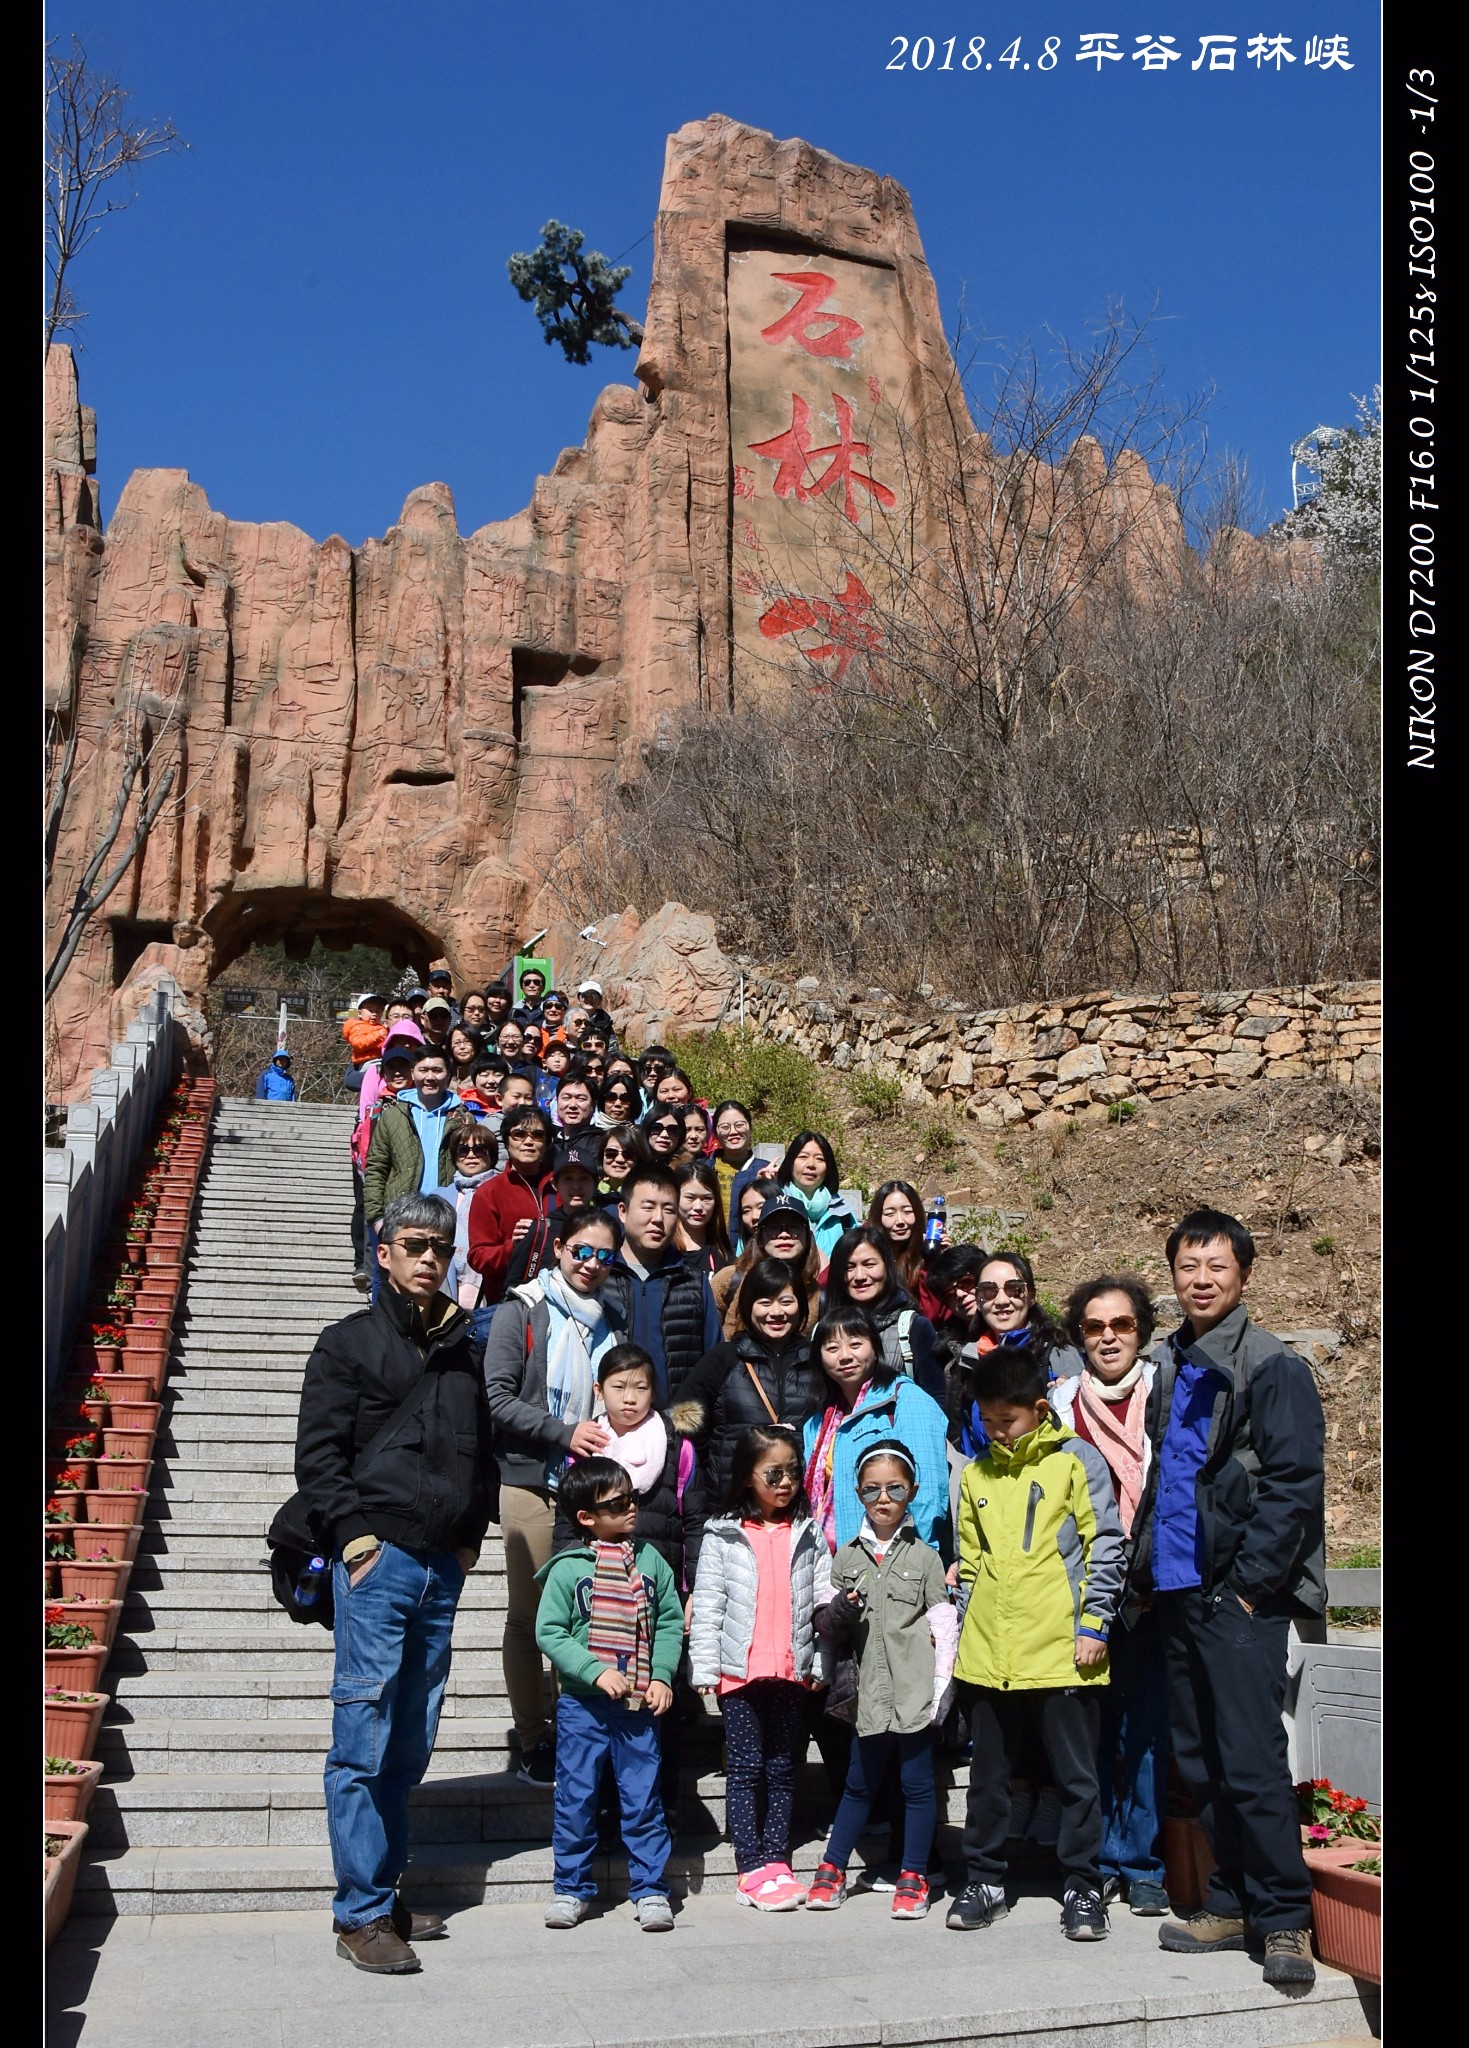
881	1095
1119	1112
1323	1246
779	1085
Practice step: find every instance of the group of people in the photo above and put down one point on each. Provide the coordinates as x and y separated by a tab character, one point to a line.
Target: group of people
834	1473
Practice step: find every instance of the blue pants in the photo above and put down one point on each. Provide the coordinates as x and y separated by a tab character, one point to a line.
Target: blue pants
588	1732
392	1663
1134	1731
870	1758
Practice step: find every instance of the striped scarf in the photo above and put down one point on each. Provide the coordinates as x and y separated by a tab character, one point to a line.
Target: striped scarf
620	1630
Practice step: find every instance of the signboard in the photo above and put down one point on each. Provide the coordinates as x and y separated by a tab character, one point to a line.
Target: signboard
541	964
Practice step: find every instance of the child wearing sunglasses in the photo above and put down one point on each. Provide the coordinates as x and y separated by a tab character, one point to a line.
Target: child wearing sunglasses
764	1570
611	1622
890	1601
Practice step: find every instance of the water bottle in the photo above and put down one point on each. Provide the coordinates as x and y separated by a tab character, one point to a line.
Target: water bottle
308	1585
936	1225
633	1701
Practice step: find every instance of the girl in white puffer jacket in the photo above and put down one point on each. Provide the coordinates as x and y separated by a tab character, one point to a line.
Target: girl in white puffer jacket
764	1569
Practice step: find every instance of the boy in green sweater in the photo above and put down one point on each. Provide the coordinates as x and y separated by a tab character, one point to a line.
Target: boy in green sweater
611	1622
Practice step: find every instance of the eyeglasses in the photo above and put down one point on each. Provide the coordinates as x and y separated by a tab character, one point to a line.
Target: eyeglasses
613	1504
441	1247
731	1130
1015	1289
894	1489
602	1253
776	1475
1093	1326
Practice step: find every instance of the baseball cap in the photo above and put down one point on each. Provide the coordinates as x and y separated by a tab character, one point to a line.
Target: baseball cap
589	988
779	1203
579	1154
369	995
438	1003
439	974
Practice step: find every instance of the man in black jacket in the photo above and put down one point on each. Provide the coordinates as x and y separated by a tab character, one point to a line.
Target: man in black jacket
651	1297
1230	1540
392	1458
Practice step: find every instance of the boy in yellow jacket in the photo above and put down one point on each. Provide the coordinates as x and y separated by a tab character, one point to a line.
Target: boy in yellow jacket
1040	1554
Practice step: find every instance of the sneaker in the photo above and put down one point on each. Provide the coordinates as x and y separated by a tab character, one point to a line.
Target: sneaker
655	1915
1045	1822
1111	1888
877	1877
377	1947
827	1889
771	1889
1201	1934
1288	1957
1149	1901
538	1766
361	1280
1022	1808
1083	1916
910	1900
565	1910
978	1905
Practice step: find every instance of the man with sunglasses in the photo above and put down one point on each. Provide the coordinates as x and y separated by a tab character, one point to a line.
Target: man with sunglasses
392	1451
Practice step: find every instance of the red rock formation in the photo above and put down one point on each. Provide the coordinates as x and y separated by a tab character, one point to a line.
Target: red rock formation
394	743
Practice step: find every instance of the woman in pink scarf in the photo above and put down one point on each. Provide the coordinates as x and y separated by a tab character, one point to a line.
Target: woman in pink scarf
1111	1320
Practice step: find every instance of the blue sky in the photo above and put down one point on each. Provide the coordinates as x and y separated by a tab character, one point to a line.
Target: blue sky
309	311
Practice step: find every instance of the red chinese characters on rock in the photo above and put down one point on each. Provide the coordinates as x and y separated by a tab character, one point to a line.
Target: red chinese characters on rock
793	454
744	481
838	330
847	631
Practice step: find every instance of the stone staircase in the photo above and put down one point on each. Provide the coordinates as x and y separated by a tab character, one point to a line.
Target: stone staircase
214	1744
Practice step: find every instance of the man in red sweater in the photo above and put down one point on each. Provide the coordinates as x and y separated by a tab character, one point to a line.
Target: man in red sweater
510	1202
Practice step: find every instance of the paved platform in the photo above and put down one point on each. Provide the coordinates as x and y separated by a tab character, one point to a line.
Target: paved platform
726	1977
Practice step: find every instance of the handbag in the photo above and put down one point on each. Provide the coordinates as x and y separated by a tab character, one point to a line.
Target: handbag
295	1536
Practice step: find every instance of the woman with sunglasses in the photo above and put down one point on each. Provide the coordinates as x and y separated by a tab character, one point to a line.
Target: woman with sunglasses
623	1148
619	1101
764	1373
1111	1318
863	1274
510	1202
782	1231
476	1154
1009	1313
663	1134
541	1384
700	1233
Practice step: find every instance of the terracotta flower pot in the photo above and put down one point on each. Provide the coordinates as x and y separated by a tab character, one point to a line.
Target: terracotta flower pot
114	1475
75	1671
55	1467
61	1873
1346	1909
70	1506
98	1358
72	1724
148	1333
88	1580
121	1538
1188	1863
149	1366
101	1616
69	1793
105	1506
125	1442
132	1415
124	1386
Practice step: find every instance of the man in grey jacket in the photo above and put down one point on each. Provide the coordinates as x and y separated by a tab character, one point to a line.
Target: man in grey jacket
541	1383
1230	1539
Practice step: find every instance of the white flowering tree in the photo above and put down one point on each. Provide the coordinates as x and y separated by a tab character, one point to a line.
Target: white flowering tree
1342	508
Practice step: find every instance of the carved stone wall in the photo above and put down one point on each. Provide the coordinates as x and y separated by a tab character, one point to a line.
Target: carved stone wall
397	743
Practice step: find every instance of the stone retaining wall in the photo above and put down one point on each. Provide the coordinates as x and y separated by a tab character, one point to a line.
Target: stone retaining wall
1048	1063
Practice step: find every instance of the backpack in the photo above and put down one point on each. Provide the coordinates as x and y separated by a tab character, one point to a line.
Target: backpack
363	1129
295	1536
905	1341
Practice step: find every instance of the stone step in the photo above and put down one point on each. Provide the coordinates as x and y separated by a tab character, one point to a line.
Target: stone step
241	1654
169	1549
188	1427
203	1579
175	1604
463	1744
473	1687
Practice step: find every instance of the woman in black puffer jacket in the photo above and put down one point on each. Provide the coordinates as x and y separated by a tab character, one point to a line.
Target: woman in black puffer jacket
764	1373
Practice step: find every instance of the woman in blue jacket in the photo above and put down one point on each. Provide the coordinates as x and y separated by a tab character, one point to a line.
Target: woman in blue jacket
863	1399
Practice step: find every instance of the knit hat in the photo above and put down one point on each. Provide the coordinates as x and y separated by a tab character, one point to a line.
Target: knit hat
405	1028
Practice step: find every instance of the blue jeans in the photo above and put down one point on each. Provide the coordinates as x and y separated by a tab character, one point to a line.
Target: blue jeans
1135	1723
871	1755
587	1733
392	1663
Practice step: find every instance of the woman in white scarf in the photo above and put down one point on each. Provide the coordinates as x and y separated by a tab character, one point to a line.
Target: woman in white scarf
476	1155
580	1331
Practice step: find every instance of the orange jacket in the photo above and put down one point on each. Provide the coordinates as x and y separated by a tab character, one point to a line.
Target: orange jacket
365	1038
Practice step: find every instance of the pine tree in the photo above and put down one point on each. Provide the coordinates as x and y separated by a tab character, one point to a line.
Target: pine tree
572	291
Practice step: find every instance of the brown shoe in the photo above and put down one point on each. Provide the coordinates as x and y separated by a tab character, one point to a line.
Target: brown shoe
1201	1934
411	1926
1288	1958
377	1947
